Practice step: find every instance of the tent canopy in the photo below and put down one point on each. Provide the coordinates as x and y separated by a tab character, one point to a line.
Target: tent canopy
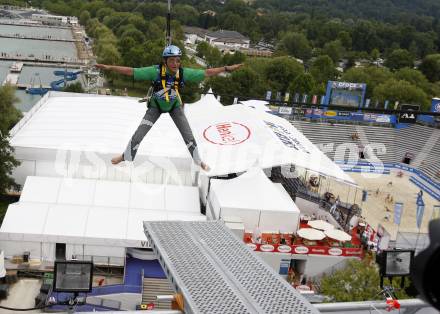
251	190
236	138
95	212
96	123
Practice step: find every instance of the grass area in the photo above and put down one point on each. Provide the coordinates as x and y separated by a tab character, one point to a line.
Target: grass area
134	89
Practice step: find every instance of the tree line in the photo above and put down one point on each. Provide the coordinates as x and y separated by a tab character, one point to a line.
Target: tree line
318	32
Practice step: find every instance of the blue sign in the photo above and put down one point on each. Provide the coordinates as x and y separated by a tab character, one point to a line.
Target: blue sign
398	210
419	215
435	105
345	94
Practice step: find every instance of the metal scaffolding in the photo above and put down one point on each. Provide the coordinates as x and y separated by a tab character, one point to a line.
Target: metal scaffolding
217	273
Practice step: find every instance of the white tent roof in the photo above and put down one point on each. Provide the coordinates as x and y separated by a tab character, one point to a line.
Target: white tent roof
236	138
94	211
257	104
102	124
251	190
231	139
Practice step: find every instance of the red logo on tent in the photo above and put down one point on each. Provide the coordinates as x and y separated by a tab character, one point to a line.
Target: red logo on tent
227	133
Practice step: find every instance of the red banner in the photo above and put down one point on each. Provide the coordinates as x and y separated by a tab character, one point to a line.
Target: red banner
302	249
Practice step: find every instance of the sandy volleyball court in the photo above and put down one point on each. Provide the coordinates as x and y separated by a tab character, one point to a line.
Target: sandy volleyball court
374	209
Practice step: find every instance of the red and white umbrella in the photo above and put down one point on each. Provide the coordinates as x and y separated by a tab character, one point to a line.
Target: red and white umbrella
310	234
337	235
320	224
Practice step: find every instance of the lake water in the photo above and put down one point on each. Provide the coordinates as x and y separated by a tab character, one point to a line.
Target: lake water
45	74
38	48
25	100
37	31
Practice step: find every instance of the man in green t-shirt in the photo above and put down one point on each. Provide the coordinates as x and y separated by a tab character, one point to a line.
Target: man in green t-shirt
168	80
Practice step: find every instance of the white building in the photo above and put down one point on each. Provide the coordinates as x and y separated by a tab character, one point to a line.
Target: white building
228	40
194	35
55	19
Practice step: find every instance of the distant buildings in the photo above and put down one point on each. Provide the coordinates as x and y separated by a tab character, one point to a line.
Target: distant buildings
225	41
55	19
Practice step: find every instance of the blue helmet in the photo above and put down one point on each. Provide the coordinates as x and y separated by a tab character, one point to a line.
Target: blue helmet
171	51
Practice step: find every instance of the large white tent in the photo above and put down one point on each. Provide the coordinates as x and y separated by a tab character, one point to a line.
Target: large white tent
235	138
76	135
92	217
256	200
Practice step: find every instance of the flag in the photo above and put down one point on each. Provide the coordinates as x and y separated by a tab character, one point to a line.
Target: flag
398	210
364	195
268	95
420	210
367	103
436	212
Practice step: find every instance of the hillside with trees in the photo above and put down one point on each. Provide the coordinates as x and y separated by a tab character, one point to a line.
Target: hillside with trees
324	34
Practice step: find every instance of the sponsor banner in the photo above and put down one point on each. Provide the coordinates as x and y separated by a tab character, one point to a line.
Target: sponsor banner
330	113
286	137
398	209
429	180
408	117
348	115
435	105
348	85
344	113
301	249
425	188
284	249
285	110
367	170
435	212
419	215
227	133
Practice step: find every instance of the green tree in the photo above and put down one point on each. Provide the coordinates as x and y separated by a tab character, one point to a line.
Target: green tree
84	18
295	44
281	71
399	58
8	118
345	38
358	281
202	49
304	83
186	14
375	54
9	114
234	58
372	76
402	91
74	88
323	69
414	77
334	50
430	66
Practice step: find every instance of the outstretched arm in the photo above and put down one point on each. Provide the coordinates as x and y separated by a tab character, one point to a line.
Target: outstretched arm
115	68
216	71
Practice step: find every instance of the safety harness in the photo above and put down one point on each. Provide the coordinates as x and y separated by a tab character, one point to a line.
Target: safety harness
164	83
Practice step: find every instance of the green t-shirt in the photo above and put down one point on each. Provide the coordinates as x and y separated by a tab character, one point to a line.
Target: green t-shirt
151	73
